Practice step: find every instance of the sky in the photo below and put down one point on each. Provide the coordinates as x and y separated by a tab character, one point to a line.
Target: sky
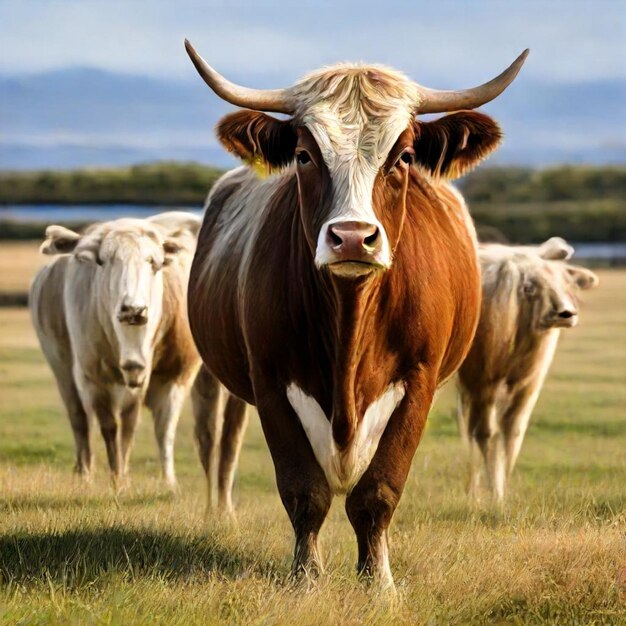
442	41
442	44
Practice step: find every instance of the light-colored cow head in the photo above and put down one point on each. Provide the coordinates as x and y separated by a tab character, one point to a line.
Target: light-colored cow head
549	291
354	138
125	258
541	285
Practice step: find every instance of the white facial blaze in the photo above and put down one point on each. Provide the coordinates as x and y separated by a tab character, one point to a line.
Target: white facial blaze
133	283
353	186
356	115
343	469
136	341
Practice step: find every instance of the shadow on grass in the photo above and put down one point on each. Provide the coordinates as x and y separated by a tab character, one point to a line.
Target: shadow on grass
56	503
489	516
577	508
76	558
583	427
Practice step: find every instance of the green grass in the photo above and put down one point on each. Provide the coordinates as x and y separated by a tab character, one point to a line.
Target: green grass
76	553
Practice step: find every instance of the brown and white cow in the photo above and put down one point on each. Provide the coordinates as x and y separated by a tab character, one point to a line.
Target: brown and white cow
529	295
110	314
340	291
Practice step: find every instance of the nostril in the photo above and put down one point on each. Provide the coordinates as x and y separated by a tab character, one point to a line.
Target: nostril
370	240
566	314
335	238
133	315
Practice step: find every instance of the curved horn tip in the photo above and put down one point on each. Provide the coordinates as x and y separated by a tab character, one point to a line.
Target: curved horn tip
522	57
436	101
516	66
191	51
276	100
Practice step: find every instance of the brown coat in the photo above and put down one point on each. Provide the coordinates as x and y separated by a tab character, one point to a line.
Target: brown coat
338	293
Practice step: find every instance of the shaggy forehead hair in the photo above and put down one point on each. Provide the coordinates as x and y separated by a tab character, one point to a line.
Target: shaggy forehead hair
508	266
355	110
118	237
504	271
355	113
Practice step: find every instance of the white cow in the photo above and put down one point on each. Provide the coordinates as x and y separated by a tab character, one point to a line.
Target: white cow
110	314
529	295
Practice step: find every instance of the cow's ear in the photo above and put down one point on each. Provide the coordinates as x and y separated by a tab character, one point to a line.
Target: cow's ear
452	145
555	249
584	278
59	240
258	138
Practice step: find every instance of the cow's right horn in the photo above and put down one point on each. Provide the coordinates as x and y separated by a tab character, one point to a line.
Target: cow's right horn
275	100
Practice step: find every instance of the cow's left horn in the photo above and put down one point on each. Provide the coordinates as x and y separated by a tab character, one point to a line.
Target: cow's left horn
275	100
434	101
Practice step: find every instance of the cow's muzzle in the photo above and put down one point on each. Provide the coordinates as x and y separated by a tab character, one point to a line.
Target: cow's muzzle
352	248
134	373
565	318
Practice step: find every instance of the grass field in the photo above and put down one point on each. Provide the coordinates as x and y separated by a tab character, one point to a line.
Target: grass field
75	553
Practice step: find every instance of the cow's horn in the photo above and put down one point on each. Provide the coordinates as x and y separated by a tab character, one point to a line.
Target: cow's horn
276	100
434	101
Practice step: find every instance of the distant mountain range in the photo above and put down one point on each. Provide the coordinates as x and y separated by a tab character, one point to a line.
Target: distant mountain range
84	117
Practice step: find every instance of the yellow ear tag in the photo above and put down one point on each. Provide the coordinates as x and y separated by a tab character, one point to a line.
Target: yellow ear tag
259	166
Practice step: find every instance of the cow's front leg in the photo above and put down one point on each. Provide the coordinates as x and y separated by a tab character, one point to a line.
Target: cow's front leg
165	399
372	502
516	419
108	420
129	417
100	401
301	483
80	422
370	507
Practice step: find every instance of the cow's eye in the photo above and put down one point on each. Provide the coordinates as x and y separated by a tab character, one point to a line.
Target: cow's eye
303	157
407	157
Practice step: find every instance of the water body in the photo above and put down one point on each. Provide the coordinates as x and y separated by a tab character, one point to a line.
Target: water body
55	214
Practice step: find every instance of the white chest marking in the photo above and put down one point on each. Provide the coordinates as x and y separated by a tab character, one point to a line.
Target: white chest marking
343	469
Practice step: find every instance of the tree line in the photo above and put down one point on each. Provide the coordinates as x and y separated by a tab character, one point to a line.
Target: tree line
581	203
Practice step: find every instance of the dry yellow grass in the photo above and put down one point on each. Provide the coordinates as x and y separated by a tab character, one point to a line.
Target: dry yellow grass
75	553
19	261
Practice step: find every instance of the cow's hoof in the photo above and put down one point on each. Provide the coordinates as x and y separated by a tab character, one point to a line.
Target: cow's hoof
83	474
172	487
